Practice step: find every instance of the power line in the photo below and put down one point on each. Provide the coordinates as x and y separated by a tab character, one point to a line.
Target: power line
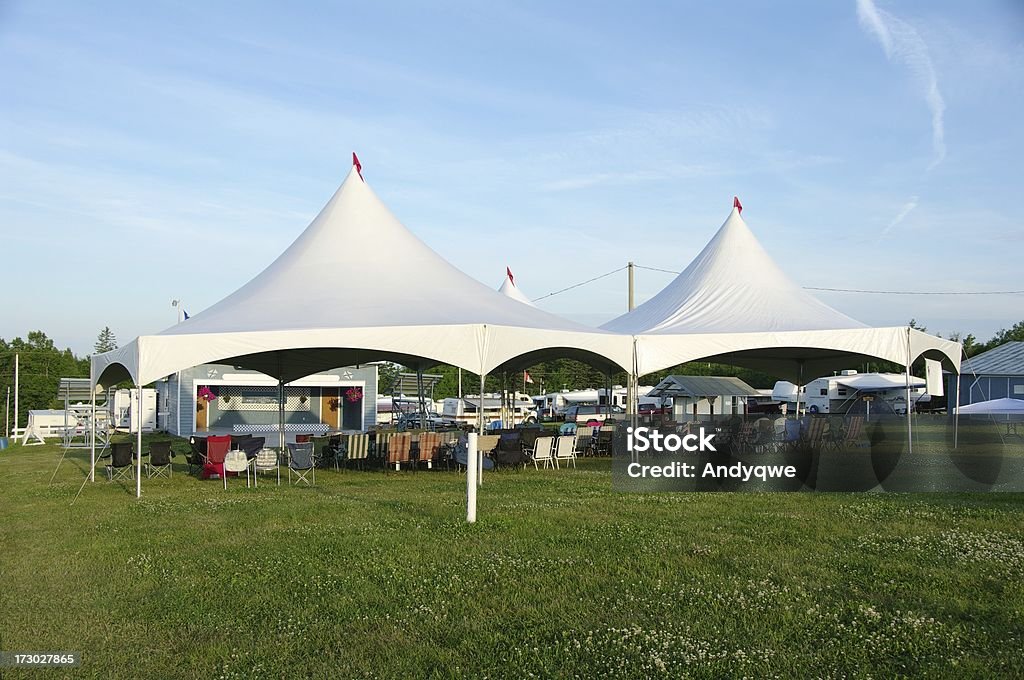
596	278
655	269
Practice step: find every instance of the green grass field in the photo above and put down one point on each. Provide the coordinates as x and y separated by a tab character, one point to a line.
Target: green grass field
373	575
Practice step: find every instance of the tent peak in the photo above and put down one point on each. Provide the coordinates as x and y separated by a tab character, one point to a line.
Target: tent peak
357	165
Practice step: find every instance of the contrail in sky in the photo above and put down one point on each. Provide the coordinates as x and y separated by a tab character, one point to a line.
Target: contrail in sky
902	43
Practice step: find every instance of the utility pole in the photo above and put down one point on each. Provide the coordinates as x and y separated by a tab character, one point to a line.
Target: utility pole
15	396
631	306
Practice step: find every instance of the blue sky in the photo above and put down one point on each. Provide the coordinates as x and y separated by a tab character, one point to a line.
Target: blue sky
150	151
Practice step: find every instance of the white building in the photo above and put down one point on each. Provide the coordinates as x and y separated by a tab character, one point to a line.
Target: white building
220	398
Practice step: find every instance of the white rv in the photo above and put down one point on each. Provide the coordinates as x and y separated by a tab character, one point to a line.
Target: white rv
466	410
838	393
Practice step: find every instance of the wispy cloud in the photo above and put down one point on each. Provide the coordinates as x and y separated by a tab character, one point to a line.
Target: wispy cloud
902	43
907	208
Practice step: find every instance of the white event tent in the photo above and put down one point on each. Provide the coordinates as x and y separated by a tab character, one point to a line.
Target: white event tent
357	286
733	304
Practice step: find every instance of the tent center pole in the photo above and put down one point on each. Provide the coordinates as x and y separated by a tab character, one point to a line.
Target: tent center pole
138	442
280	414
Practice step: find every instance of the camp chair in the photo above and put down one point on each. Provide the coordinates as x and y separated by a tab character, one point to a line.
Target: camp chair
356	449
196	457
302	462
564	449
430	443
542	452
399	450
380	447
237	440
160	455
216	449
765	441
510	451
121	455
790	435
852	431
486	443
603	445
235	461
265	461
815	432
584	440
252	446
326	454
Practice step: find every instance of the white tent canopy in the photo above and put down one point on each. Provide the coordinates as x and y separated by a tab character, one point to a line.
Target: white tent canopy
354	287
734	305
1004	406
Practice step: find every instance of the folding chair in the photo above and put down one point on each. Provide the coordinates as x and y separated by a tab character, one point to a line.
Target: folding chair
121	455
216	449
197	456
357	449
326	452
302	462
235	461
584	441
542	452
430	443
565	449
399	450
265	461
160	455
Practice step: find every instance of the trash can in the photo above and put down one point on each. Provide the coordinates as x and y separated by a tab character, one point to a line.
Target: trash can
3	443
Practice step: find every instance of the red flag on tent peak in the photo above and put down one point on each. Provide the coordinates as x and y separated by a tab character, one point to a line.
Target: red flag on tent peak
736	204
510	277
358	166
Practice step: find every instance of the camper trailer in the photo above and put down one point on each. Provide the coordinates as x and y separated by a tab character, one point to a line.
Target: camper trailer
466	409
839	393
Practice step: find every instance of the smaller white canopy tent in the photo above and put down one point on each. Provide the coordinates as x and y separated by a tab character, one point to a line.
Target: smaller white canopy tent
734	305
1004	406
509	288
872	382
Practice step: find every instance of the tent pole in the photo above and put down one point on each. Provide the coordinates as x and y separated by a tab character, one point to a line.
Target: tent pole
138	443
420	398
910	438
479	461
15	430
280	414
799	383
956	416
92	438
471	456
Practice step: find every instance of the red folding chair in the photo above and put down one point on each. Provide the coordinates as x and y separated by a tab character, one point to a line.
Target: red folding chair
216	449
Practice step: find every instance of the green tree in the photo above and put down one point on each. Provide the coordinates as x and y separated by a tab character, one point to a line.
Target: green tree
106	341
41	366
1015	333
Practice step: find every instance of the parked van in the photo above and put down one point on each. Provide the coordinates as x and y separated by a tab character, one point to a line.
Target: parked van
581	414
